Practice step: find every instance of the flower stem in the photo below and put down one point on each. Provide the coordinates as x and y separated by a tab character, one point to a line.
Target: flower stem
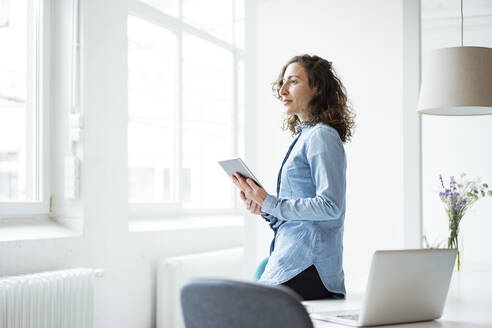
453	241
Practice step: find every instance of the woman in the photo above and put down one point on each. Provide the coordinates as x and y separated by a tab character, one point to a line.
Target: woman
307	215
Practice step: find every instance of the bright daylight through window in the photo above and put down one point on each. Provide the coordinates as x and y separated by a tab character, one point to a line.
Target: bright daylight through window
20	109
185	103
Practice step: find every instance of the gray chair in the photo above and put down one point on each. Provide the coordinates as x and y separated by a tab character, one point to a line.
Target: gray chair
219	303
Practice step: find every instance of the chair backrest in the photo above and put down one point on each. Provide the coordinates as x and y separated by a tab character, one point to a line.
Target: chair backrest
220	303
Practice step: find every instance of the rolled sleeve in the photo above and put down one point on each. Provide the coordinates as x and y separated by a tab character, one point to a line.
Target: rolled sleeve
269	203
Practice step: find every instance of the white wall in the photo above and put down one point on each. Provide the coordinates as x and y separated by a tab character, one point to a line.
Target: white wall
457	144
363	39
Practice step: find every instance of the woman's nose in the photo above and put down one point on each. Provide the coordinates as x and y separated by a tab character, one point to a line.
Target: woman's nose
283	89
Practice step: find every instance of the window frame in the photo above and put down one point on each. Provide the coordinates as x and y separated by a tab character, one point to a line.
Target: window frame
41	206
177	25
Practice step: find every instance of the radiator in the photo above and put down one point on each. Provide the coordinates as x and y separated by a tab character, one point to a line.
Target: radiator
174	272
58	299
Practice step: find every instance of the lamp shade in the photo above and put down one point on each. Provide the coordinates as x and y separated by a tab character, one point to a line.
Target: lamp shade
457	81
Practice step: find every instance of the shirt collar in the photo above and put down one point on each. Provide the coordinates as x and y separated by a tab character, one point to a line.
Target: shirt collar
302	126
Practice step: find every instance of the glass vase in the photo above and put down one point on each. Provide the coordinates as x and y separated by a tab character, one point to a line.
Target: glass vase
455	240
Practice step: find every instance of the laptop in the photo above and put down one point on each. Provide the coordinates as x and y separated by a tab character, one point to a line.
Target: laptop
403	286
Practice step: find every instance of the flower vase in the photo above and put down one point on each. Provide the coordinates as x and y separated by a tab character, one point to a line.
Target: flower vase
458	244
455	240
457	199
460	256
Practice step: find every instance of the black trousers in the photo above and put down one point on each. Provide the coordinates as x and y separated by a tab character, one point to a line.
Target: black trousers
309	286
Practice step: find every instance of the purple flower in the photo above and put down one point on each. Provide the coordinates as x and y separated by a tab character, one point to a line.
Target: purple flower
452	182
441	194
454	195
460	204
442	182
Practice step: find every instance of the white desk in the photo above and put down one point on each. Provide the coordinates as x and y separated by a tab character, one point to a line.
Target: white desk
468	305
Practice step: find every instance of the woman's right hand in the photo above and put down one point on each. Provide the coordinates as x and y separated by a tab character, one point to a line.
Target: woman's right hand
251	205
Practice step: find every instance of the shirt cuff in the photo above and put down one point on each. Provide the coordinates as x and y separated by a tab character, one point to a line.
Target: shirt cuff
268	203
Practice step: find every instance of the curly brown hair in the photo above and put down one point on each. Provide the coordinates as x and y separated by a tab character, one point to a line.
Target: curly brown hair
329	104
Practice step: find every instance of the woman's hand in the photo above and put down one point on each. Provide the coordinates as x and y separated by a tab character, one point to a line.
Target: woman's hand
251	194
250	204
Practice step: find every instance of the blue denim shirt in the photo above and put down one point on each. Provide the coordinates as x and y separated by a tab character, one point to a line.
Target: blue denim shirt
309	212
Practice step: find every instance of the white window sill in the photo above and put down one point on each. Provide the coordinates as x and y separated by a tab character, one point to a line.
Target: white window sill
37	228
34	228
186	223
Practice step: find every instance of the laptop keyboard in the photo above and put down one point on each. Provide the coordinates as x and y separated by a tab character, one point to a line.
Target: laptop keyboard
354	317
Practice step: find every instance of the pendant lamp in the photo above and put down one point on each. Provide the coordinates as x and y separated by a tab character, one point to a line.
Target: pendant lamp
457	81
4	13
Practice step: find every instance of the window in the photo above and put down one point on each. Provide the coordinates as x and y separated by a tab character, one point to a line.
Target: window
151	100
22	177
185	103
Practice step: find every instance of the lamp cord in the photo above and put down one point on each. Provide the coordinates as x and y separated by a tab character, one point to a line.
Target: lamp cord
462	23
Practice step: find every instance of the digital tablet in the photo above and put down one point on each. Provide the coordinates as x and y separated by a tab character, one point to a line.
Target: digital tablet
231	166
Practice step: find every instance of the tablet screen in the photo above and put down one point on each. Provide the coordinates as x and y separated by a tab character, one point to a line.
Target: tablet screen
231	166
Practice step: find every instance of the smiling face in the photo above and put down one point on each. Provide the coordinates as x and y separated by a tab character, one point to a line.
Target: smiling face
295	91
